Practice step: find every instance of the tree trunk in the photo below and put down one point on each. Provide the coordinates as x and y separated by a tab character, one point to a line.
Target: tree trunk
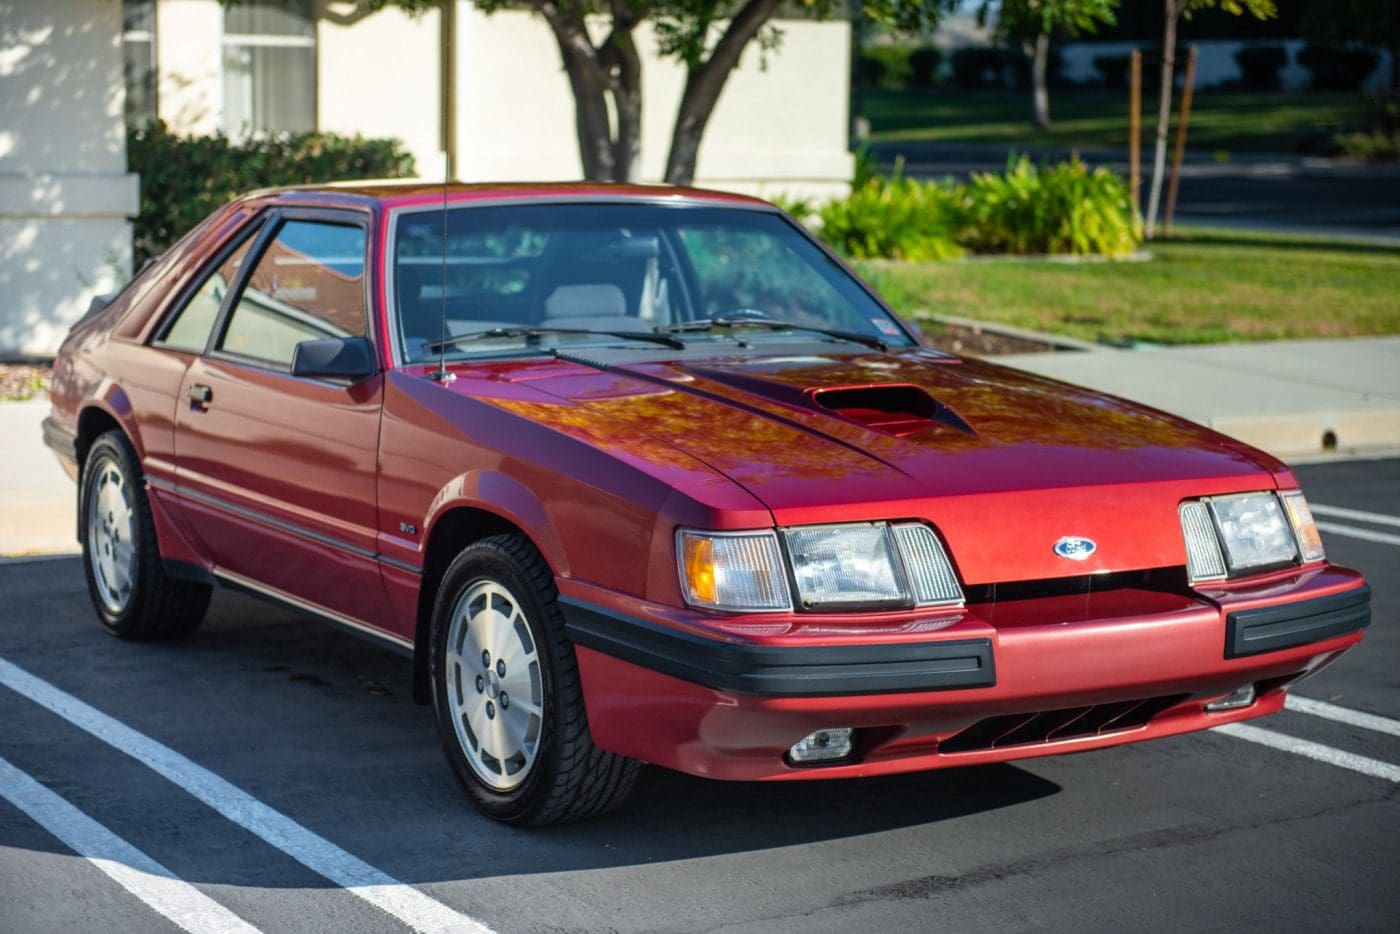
1040	91
606	154
1164	113
703	84
624	66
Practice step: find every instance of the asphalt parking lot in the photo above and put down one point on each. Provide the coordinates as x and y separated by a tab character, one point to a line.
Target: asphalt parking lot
271	774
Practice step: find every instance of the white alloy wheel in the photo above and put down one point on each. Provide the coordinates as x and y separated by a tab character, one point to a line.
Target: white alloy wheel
495	686
111	535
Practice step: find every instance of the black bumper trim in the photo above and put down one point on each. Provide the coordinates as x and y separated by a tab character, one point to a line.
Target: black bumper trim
60	441
781	671
1250	632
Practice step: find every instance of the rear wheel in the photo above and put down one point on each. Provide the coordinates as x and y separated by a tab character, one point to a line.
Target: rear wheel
130	590
507	695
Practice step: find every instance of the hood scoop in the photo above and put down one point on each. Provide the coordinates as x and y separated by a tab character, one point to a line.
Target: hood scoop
895	409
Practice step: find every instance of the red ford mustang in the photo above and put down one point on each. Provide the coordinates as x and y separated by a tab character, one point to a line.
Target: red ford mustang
646	474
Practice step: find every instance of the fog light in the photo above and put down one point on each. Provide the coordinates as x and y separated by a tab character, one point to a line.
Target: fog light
822	746
1240	697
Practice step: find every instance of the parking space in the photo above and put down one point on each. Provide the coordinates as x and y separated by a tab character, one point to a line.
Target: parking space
271	773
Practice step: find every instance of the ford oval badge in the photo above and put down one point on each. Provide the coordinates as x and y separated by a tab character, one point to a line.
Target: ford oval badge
1075	548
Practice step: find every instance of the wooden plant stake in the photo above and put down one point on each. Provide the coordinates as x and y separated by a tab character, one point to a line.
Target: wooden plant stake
1183	121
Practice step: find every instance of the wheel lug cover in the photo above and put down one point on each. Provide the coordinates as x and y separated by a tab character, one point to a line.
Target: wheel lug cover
485	659
490	711
500	668
505	700
480	685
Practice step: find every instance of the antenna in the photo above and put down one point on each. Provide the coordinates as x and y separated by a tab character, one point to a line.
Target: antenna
449	144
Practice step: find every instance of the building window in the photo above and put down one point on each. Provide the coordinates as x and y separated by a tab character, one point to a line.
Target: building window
139	60
269	67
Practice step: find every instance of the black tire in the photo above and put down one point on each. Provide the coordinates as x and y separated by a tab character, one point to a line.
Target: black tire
155	605
569	778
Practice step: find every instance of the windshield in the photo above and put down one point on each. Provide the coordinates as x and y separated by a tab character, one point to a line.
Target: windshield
620	268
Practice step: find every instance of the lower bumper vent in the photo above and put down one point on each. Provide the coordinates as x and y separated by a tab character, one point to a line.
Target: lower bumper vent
1046	726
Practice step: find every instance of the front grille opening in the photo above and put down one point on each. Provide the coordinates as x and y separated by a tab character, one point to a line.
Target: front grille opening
1025	729
1163	580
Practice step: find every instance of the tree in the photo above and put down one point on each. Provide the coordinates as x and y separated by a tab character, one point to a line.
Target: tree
1364	22
1031	22
597	42
1172	12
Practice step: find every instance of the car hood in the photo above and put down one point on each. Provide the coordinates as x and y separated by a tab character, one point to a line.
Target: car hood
1002	462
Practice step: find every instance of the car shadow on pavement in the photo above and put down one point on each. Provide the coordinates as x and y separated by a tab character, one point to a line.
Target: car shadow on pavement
321	726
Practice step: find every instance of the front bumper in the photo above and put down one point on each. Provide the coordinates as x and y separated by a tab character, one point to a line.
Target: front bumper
1008	680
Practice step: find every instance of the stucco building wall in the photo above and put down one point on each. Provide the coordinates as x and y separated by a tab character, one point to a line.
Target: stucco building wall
65	197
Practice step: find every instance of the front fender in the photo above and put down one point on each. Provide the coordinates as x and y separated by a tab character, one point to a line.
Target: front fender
507	498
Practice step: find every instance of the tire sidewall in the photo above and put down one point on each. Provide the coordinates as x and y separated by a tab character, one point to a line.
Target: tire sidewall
481	562
109	449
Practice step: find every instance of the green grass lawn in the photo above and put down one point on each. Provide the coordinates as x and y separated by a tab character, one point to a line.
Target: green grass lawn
1220	121
1200	287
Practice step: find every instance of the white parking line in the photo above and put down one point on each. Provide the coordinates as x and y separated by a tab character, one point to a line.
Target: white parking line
1356	515
318	854
130	868
1349	531
1367	721
1310	750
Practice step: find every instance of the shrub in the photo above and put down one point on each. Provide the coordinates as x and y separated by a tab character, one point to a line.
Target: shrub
184	179
886	66
893	218
1260	65
923	66
977	67
1379	139
1064	208
1338	67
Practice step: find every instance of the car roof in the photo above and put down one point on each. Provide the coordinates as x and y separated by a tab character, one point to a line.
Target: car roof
395	193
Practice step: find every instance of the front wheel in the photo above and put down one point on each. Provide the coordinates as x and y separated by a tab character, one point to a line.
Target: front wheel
130	590
507	695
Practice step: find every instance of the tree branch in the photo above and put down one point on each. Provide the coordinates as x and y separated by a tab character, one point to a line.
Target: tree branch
704	84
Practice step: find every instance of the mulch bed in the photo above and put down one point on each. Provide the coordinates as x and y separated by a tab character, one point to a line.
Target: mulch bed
975	342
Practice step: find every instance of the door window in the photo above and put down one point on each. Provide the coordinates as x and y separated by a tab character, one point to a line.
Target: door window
308	284
190	331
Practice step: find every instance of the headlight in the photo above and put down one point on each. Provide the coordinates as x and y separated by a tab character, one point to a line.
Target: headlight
846	565
860	565
1230	535
733	570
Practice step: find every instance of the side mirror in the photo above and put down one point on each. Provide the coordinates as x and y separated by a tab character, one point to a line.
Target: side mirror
349	358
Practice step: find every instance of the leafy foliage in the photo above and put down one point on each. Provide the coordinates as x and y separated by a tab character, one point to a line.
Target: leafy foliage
184	179
1066	208
1379	140
885	66
894	218
1025	19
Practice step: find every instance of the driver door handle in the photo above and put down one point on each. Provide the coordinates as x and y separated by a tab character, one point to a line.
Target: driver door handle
200	394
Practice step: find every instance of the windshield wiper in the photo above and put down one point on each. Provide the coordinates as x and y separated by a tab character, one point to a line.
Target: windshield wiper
648	336
709	324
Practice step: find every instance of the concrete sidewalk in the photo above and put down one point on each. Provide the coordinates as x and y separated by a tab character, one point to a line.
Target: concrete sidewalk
38	512
1291	398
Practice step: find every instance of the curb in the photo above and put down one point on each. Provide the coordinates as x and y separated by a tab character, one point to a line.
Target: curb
1058	341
